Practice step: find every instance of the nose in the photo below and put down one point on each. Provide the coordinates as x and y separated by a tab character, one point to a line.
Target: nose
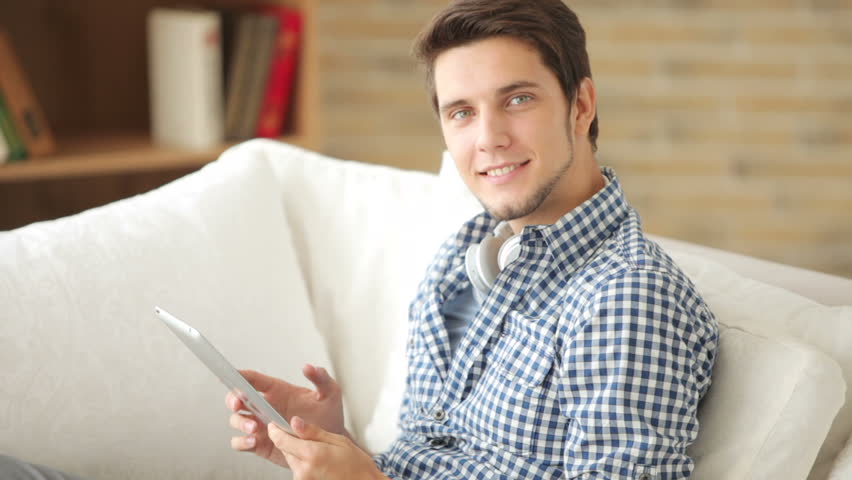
493	132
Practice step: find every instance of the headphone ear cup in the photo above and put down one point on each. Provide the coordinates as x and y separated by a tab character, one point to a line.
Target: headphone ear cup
481	264
473	273
509	251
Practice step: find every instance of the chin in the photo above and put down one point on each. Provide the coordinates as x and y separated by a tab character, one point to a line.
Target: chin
507	212
516	208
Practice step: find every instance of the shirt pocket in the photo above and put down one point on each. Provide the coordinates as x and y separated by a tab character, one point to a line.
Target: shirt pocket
523	353
519	402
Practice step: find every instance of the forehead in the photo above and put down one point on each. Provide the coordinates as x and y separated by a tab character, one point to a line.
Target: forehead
484	66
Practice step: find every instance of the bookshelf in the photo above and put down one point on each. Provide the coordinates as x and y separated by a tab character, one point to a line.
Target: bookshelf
115	153
87	63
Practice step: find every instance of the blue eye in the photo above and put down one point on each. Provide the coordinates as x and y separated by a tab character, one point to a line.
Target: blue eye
520	99
460	115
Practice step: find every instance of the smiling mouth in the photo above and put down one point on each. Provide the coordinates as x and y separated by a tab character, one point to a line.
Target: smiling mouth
499	172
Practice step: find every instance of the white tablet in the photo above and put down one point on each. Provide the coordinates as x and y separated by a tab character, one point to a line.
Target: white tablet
223	369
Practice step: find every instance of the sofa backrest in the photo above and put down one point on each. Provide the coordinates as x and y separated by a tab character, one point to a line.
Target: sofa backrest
92	383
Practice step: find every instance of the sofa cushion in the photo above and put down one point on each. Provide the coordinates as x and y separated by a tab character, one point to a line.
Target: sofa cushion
93	383
771	311
842	469
770	406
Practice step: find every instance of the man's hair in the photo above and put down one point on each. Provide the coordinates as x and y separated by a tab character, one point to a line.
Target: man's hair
547	25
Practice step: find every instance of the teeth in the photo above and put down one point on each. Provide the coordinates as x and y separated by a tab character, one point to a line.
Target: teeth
501	171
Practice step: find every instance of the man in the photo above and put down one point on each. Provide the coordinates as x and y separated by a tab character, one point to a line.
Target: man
584	352
587	354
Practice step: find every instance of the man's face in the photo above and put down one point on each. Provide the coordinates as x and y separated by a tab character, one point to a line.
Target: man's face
505	122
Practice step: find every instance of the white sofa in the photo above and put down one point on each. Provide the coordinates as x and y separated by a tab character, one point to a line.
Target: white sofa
282	257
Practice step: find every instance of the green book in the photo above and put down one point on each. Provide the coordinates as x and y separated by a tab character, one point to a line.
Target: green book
17	150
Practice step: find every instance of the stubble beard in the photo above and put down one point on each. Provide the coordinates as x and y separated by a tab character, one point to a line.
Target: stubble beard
534	201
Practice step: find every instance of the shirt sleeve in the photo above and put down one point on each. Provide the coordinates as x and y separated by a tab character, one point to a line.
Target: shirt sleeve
632	372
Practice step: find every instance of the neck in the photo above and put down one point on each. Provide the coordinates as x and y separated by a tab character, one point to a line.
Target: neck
580	182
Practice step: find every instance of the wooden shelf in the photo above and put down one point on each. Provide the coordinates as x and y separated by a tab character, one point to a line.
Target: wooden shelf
87	65
113	154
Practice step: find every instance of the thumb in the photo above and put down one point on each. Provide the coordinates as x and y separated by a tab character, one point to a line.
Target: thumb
309	431
326	386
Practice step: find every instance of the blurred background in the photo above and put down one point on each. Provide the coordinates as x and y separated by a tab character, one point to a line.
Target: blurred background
729	122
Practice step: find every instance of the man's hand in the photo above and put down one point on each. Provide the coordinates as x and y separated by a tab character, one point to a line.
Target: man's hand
320	455
324	407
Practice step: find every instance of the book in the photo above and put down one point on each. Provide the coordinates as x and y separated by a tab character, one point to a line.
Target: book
25	112
228	18
258	73
277	99
185	76
240	58
17	150
4	149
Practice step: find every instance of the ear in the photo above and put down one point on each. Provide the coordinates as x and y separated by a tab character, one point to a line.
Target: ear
584	108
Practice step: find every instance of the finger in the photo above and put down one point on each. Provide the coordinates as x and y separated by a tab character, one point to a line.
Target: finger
286	443
233	402
244	444
311	432
259	381
244	424
319	376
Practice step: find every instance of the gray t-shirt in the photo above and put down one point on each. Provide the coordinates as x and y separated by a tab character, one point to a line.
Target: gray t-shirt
458	313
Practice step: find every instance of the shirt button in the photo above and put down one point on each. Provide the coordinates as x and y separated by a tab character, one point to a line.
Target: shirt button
645	476
437	442
440	415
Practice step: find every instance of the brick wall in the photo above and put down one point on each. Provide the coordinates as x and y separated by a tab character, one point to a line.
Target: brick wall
728	121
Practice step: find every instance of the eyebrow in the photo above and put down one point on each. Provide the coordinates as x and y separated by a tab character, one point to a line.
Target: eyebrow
500	92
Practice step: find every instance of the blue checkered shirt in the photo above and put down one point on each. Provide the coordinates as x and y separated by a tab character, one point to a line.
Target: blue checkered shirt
587	360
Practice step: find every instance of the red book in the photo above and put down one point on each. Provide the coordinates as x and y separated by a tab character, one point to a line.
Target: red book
282	72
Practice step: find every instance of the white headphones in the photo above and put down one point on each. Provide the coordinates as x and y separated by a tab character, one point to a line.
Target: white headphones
484	261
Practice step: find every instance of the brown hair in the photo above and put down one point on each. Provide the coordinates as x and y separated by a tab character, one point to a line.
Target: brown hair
548	25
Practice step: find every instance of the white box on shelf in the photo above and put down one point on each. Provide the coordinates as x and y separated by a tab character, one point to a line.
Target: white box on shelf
185	76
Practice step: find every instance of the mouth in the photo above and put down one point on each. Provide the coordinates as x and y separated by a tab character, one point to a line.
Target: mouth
503	170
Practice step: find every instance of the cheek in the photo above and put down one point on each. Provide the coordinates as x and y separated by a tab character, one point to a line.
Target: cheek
548	136
461	149
455	138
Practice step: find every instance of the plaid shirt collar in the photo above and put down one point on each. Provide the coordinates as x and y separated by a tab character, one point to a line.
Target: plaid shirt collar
573	239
